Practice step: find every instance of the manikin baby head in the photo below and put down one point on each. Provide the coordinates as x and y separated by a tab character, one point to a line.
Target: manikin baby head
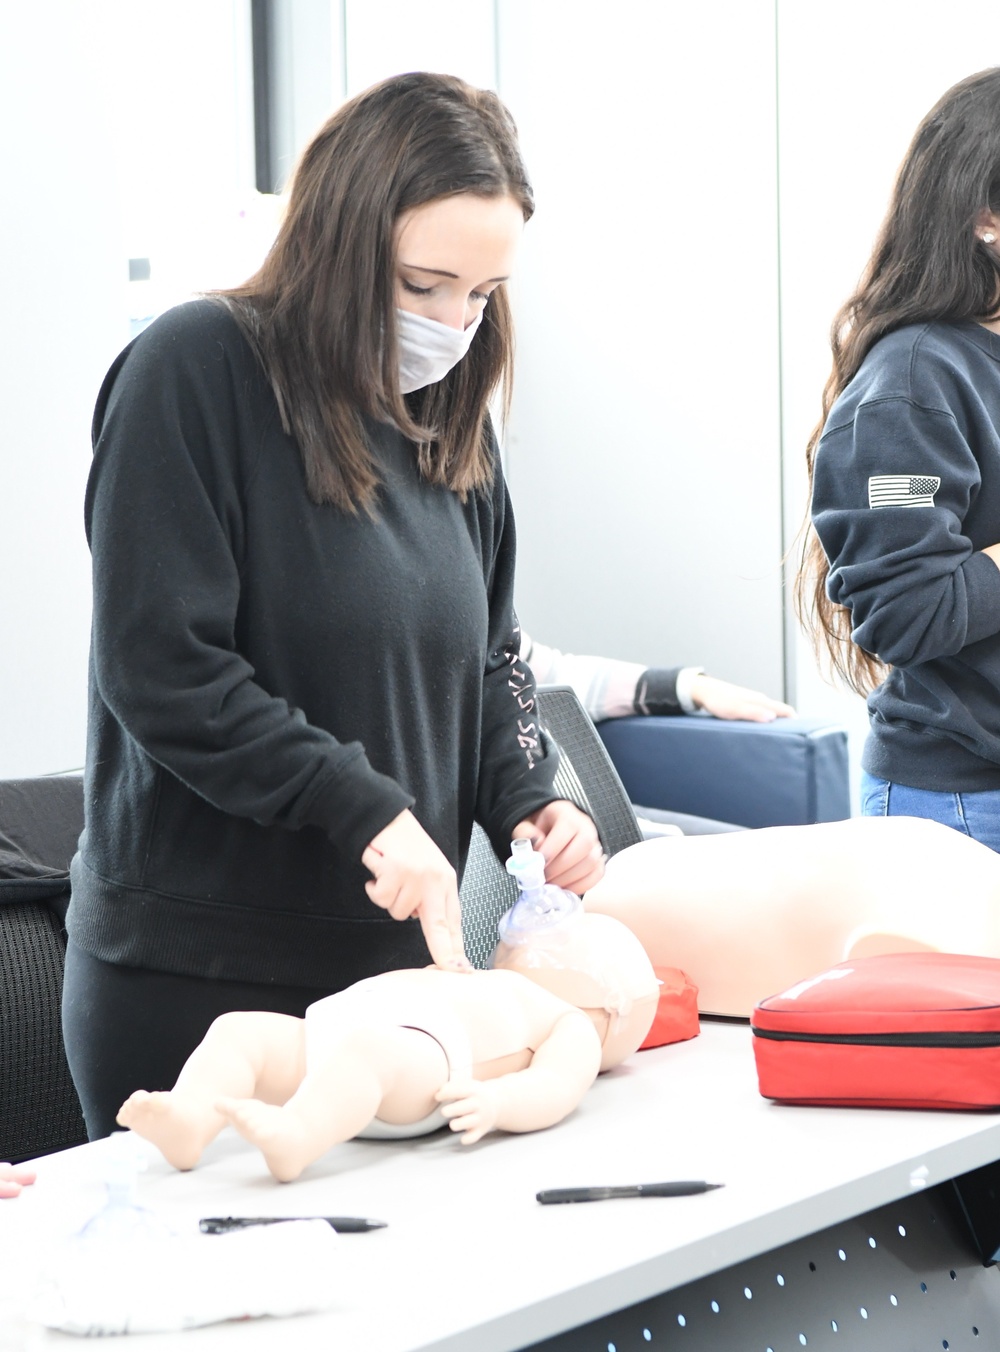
591	961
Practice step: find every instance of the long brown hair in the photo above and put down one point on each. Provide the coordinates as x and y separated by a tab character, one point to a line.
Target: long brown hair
927	264
320	311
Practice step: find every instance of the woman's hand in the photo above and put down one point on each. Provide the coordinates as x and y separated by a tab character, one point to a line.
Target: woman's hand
568	840
14	1177
725	700
412	877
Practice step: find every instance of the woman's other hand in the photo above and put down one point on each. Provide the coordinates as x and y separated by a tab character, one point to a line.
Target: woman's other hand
412	877
569	843
725	700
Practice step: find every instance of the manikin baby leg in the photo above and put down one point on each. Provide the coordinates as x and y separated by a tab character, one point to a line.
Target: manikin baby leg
242	1054
390	1073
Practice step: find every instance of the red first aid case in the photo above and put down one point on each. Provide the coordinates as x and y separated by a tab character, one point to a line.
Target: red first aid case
903	1030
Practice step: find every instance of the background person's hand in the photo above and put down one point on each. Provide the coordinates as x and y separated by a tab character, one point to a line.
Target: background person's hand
569	843
14	1177
725	700
412	877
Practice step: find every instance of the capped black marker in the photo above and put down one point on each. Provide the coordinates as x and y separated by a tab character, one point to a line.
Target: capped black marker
679	1188
220	1225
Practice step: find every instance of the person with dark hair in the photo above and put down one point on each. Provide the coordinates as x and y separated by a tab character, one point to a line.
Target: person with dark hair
303	633
899	579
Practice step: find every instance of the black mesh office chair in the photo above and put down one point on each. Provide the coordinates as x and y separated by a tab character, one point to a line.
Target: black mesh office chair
40	821
588	778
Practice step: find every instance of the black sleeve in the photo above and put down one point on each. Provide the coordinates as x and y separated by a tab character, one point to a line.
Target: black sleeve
517	764
165	524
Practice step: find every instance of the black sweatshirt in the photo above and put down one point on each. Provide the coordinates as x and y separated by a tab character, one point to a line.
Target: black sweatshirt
907	495
273	681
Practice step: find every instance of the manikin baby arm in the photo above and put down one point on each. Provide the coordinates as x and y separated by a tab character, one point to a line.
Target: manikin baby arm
561	1071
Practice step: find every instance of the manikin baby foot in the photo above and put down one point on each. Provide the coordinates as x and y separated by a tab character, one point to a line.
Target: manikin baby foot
274	1132
179	1128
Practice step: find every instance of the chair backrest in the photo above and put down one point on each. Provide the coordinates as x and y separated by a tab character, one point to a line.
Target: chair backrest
40	821
586	777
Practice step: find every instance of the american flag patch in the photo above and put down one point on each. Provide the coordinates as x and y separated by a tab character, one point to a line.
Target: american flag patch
902	490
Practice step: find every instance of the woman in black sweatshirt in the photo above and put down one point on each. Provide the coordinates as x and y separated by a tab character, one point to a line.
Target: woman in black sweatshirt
900	579
305	684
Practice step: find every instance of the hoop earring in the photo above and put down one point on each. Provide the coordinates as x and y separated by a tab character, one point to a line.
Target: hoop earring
989	237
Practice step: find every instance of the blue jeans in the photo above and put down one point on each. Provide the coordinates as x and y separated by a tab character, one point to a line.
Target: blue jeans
974	814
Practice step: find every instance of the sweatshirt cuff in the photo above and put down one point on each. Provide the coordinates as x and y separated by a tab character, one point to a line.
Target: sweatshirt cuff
355	805
656	691
982	592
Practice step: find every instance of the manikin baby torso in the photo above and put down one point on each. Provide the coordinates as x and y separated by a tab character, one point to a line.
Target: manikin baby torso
488	1023
747	913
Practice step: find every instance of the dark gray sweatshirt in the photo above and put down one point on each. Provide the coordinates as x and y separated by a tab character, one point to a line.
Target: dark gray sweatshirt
906	496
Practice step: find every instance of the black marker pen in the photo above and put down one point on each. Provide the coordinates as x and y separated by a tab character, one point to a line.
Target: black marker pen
219	1225
679	1188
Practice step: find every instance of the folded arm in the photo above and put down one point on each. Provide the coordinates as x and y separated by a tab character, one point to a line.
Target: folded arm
913	574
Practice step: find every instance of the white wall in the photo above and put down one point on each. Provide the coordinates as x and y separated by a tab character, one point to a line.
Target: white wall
386	37
644	443
129	134
660	410
64	316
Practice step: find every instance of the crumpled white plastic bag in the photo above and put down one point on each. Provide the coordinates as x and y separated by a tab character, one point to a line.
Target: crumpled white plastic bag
143	1278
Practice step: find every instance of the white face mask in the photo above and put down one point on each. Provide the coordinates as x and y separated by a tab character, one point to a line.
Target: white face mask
428	350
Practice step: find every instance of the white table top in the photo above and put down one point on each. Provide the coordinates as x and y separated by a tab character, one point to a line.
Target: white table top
469	1259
